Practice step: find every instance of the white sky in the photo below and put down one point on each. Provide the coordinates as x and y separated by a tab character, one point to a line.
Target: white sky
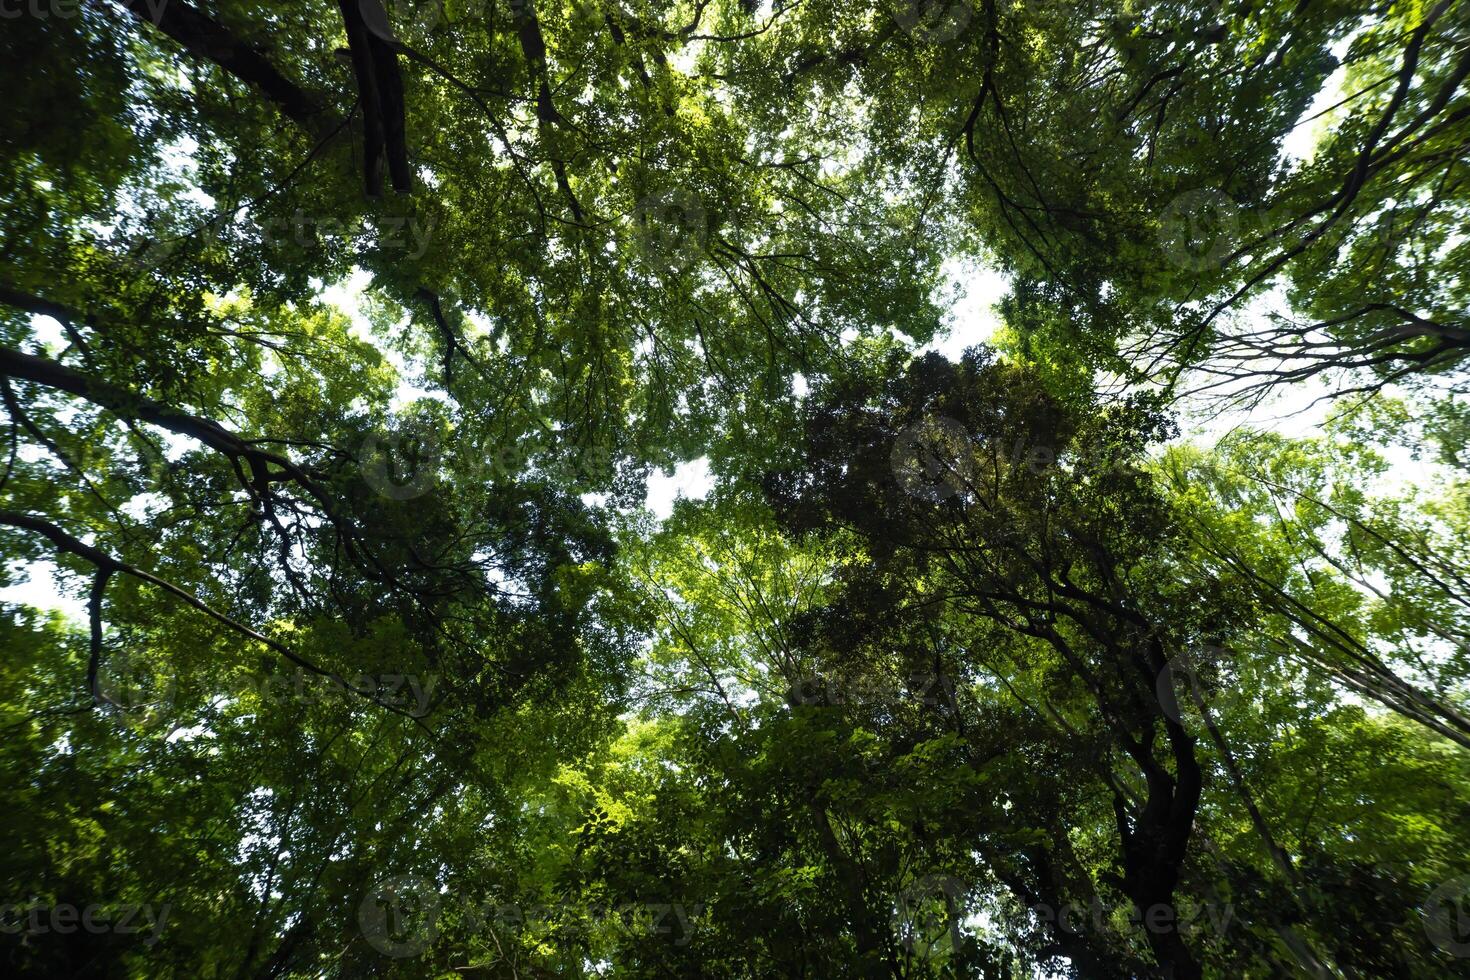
972	318
690	480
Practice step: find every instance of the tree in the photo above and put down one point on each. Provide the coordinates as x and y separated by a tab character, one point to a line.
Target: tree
339	346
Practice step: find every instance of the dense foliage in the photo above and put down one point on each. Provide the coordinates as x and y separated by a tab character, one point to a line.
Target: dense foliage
340	344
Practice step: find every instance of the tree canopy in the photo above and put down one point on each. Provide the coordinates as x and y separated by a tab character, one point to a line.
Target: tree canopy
343	347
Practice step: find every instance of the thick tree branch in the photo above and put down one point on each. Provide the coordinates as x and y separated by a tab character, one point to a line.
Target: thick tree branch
207	38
